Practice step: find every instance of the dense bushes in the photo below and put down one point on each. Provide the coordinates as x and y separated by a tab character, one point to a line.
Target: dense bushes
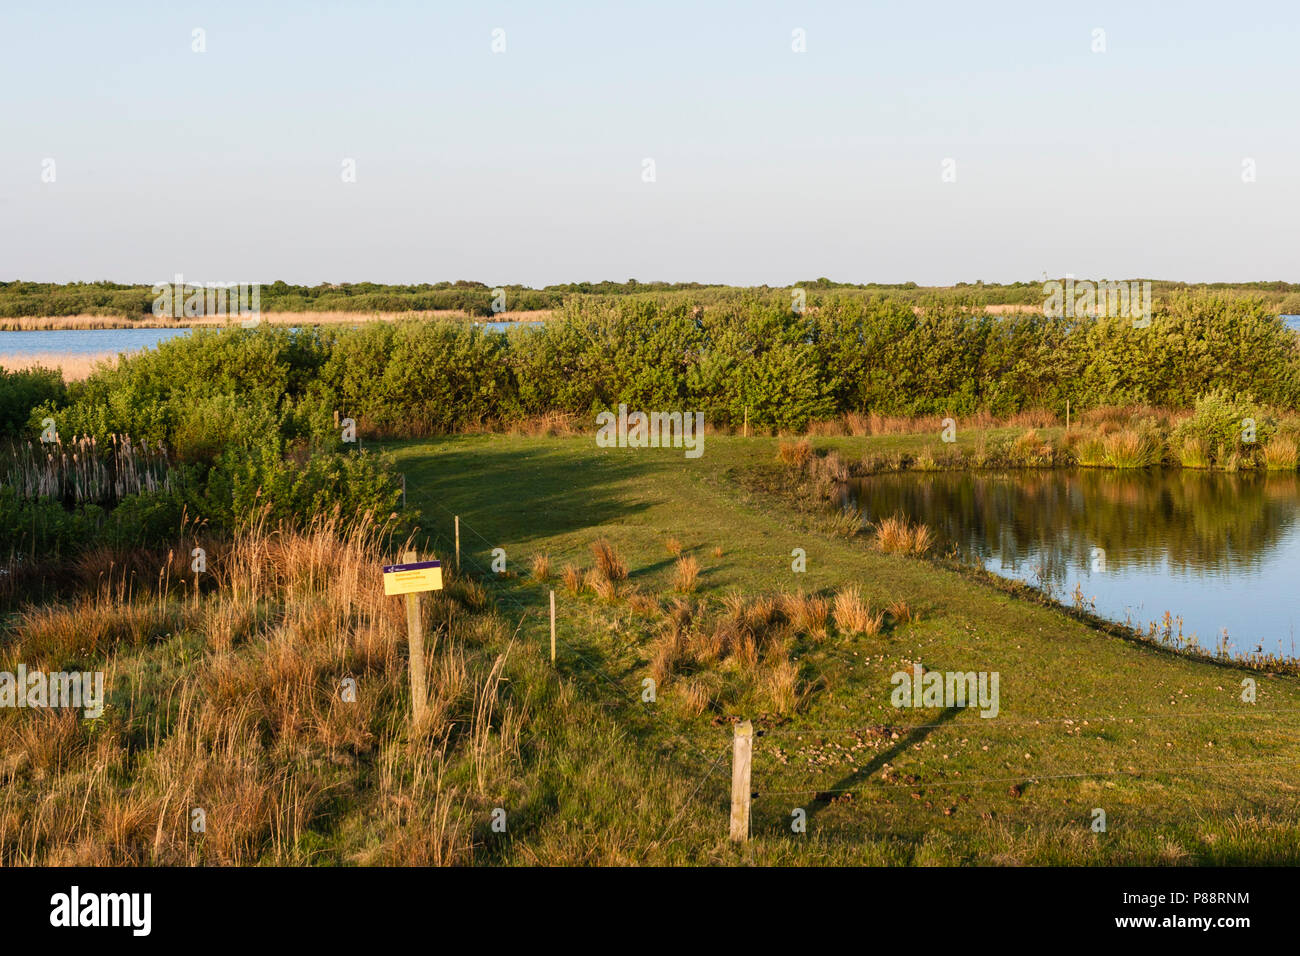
22	391
252	417
20	299
746	352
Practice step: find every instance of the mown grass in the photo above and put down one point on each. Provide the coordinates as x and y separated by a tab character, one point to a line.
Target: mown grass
1185	770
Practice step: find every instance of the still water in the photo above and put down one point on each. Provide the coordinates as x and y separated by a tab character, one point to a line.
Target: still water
1219	551
99	341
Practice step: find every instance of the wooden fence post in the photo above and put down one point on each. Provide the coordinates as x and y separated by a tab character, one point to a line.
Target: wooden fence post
552	627
457	542
742	753
415	638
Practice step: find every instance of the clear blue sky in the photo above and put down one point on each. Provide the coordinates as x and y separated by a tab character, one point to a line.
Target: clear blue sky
526	166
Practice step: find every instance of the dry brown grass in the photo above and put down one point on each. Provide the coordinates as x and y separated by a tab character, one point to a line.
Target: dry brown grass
674	547
783	687
1281	454
609	563
685	572
897	535
75	368
541	567
647	605
900	612
853	615
794	454
806	613
248	721
573	578
546	425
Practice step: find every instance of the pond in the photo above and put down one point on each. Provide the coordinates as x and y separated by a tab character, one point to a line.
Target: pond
1219	552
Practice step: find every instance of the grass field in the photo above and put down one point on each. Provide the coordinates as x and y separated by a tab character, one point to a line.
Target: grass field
224	693
1163	744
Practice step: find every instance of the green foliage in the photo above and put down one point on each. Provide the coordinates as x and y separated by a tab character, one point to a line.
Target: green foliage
42	527
1221	427
22	391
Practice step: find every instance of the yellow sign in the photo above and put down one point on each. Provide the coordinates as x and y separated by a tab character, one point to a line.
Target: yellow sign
409	578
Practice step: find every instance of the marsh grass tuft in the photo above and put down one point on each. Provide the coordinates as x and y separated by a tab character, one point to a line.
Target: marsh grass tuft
609	563
897	535
686	571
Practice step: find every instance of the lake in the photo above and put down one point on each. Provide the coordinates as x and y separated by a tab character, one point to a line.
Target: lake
1220	551
101	341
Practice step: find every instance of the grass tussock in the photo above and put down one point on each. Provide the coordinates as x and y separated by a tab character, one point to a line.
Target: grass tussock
609	563
686	572
897	535
541	568
796	454
1281	454
1131	448
807	613
852	614
573	578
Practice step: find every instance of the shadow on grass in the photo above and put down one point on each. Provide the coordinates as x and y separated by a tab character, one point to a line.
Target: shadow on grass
511	493
860	776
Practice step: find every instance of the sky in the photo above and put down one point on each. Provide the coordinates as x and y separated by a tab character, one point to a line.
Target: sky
390	142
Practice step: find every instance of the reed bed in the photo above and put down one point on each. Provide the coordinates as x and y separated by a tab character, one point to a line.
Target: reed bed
82	470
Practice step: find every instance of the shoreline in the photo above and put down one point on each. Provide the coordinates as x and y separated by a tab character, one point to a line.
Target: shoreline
90	322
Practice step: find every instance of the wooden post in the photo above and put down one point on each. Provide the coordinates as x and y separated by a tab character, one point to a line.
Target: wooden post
415	638
742	752
457	542
746	421
403	491
552	627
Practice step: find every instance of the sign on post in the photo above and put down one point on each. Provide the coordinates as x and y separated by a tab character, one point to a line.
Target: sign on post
411	578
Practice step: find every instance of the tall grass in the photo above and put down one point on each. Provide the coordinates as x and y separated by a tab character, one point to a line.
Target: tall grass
898	535
232	701
1131	448
1281	454
82	470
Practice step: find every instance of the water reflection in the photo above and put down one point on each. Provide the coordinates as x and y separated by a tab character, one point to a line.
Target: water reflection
1219	550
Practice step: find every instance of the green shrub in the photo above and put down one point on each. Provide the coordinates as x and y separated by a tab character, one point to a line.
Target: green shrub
1231	427
24	390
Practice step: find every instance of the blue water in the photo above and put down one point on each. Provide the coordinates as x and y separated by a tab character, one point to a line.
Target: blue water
98	341
83	341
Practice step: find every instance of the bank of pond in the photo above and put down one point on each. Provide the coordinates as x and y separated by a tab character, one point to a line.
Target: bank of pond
1194	557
